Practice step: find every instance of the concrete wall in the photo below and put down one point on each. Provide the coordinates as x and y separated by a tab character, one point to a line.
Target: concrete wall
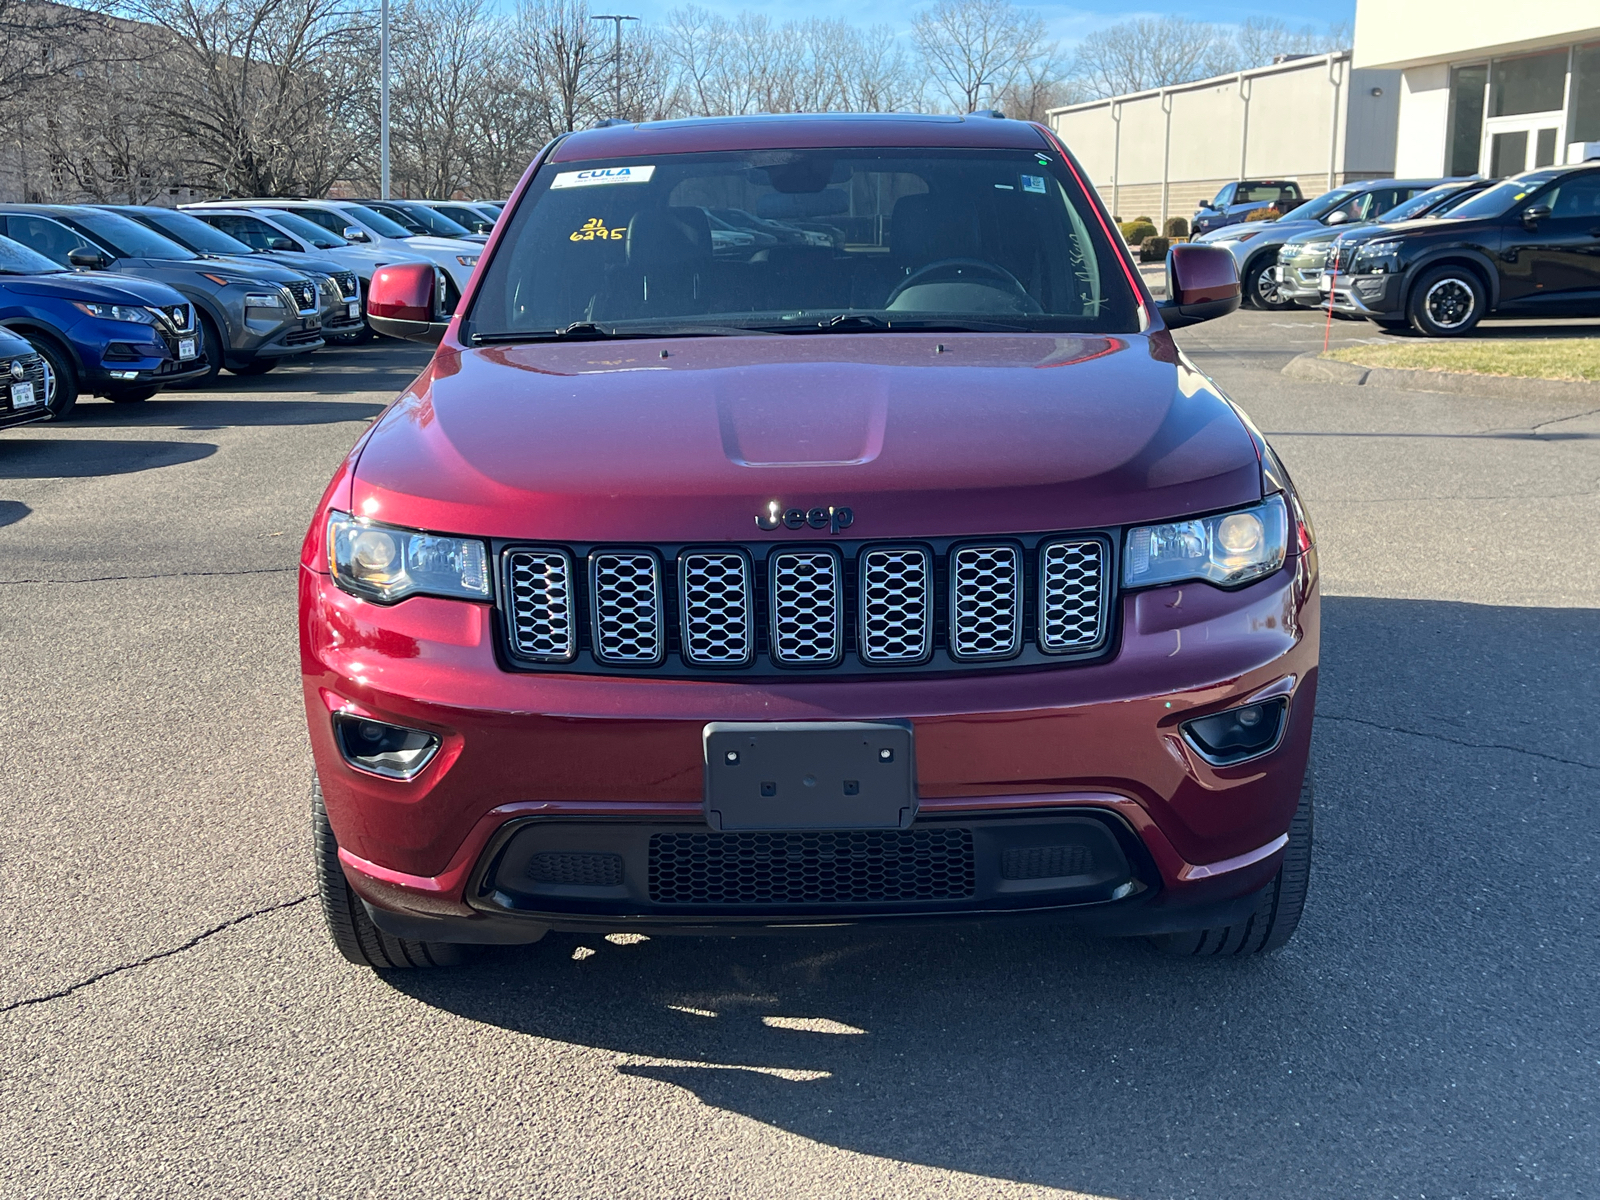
1424	118
1271	123
1434	31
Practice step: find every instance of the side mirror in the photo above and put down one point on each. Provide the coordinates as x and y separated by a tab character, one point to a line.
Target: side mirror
1202	284
1533	215
406	301
1338	218
88	260
352	234
282	244
1206	204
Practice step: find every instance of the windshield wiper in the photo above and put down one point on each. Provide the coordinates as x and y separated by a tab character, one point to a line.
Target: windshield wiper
868	323
580	331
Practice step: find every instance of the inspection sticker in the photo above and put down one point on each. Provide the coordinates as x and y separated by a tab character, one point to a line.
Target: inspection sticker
1033	183
600	175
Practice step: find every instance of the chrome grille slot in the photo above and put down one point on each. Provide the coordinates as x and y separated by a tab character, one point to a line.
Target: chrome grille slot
540	600
1072	586
985	602
896	609
625	591
717	614
806	598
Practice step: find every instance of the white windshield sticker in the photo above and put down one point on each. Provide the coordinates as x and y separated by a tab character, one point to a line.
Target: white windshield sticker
600	175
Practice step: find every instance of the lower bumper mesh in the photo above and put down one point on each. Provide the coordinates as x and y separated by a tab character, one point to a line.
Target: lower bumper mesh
835	867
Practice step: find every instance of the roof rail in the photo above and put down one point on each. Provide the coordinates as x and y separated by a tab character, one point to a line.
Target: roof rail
993	113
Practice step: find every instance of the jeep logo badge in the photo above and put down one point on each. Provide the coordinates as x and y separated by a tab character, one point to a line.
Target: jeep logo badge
831	517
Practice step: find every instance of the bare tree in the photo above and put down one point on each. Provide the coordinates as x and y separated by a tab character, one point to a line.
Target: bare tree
567	55
1149	52
968	46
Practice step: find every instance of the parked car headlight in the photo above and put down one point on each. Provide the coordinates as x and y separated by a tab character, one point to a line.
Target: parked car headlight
1227	549
468	260
383	563
117	312
264	300
1377	258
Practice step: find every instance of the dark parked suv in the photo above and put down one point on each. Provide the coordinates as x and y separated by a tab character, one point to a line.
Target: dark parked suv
1237	200
250	315
1527	247
706	586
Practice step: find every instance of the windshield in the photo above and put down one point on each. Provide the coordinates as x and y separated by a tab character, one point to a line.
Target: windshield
1496	201
124	238
193	233
1419	204
17	259
846	240
307	231
432	220
375	221
1319	206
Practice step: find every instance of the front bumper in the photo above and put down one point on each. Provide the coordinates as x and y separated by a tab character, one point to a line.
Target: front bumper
1300	284
559	764
257	338
1368	295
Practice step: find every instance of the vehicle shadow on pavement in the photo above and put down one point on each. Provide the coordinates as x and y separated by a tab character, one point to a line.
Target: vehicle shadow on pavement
70	458
1430	1031
180	412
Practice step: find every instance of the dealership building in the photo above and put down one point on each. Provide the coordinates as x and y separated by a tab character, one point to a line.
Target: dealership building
1487	88
1432	88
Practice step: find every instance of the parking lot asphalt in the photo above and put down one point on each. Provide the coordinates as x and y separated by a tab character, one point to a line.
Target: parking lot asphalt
173	1021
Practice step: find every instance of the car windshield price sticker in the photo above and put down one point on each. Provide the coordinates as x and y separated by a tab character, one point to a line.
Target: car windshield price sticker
597	176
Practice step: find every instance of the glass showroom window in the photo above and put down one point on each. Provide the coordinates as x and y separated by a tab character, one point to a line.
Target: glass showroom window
1466	117
1533	83
1586	93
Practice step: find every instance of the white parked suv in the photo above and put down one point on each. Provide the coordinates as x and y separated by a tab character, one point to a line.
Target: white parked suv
479	218
358	223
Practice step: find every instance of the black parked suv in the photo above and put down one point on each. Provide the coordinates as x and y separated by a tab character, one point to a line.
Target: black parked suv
1527	247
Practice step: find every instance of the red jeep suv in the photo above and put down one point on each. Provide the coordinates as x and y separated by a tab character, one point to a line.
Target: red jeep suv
807	521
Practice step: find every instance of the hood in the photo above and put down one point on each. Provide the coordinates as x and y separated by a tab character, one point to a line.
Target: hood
297	263
426	242
921	436
97	286
1320	234
254	267
236	267
13	346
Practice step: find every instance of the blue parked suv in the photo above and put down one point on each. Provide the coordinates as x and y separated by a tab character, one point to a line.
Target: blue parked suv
110	335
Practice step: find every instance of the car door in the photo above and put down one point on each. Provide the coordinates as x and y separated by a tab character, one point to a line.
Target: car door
1553	264
50	238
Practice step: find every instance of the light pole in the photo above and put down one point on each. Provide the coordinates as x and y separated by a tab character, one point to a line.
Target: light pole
383	102
616	61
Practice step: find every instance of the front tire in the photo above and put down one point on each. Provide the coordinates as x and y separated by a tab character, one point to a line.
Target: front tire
1261	289
1277	912
352	930
258	366
1448	301
61	394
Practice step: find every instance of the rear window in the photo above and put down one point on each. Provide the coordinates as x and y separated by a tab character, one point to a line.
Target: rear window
801	240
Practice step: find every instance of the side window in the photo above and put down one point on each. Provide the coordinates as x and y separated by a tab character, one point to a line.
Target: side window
1575	198
252	232
53	241
1225	196
1386	198
332	222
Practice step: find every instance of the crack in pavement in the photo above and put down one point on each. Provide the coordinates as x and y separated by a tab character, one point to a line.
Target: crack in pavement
167	575
156	957
1439	737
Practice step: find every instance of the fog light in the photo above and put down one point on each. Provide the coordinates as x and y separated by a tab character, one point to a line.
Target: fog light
388	750
1238	734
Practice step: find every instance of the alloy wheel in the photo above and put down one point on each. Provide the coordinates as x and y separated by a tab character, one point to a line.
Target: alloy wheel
1450	303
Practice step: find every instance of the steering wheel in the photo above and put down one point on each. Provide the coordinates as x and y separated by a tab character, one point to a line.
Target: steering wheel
993	270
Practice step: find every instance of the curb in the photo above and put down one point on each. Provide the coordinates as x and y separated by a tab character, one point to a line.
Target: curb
1313	368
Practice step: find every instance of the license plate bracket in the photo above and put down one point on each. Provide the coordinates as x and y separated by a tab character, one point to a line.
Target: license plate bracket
23	396
787	775
186	349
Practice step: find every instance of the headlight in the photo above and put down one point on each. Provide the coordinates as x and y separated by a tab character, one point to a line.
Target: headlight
328	288
380	562
264	300
1377	258
468	260
1227	549
117	312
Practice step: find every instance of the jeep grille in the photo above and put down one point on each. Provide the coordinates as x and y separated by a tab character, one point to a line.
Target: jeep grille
850	606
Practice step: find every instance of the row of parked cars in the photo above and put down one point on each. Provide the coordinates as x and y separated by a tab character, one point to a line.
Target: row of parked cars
122	301
1433	255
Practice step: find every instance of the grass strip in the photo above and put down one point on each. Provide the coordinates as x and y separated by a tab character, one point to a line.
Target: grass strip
1522	358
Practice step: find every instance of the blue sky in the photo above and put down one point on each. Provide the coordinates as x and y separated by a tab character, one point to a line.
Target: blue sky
1067	21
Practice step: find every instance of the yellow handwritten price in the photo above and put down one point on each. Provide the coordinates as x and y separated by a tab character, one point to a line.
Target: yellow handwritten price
594	230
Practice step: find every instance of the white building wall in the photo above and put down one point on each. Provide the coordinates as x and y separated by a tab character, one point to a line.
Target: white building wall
1424	119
